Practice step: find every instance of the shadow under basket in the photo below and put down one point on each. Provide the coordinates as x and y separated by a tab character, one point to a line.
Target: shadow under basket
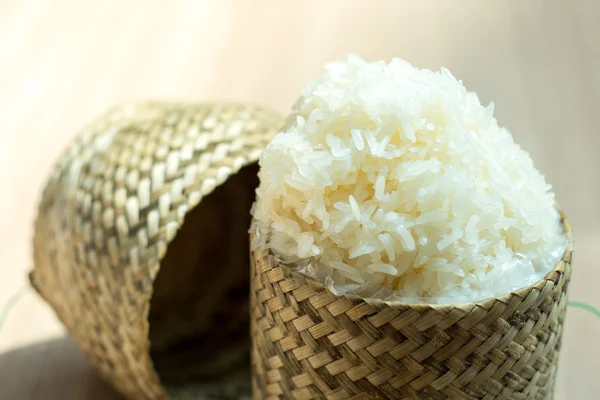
141	245
310	344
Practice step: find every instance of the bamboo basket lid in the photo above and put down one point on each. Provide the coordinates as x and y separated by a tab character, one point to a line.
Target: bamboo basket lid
147	296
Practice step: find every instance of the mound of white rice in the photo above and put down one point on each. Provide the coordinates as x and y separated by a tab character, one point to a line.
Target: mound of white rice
388	180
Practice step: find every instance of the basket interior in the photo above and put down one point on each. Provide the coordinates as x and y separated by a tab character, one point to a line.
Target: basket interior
199	309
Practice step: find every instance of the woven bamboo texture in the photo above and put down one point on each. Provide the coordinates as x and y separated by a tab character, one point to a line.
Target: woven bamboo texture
310	344
112	216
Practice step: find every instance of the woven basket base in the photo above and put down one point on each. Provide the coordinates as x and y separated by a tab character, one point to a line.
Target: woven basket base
310	344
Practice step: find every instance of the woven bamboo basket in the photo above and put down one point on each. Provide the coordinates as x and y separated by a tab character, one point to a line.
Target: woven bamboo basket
140	237
310	344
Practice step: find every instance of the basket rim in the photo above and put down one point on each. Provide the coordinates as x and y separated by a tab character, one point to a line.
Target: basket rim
552	277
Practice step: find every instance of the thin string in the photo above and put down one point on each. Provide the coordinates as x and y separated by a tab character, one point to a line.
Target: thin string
12	302
585	306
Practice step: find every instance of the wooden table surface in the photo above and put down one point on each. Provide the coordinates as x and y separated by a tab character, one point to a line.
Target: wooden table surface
64	62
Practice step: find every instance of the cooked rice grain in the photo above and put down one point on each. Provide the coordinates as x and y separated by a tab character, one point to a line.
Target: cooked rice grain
399	177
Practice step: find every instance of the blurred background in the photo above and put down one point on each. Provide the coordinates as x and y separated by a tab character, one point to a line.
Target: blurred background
62	63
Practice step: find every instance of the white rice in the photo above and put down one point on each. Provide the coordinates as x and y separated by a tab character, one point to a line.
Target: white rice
389	180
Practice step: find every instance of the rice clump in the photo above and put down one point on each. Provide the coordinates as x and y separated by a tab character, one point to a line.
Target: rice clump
395	182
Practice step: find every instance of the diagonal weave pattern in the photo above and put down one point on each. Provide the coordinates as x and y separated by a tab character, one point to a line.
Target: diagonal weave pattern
311	344
112	206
